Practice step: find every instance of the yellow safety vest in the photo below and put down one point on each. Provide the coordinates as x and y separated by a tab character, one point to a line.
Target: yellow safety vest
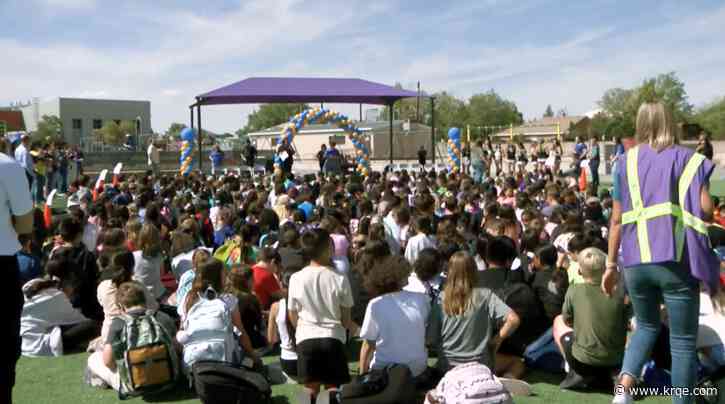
639	215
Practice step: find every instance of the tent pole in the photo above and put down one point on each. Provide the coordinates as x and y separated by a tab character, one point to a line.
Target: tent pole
391	134
433	130
191	117
361	113
198	124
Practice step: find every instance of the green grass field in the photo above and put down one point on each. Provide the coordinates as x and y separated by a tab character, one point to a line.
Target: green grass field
60	380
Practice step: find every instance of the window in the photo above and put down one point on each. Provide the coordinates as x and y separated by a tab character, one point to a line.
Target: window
77	124
97	124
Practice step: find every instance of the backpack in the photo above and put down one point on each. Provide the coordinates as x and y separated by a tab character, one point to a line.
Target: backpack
223	383
391	385
208	333
146	359
470	383
523	301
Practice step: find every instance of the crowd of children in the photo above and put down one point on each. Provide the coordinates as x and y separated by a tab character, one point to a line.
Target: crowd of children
465	268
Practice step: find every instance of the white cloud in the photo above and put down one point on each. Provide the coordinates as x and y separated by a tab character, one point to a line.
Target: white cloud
189	54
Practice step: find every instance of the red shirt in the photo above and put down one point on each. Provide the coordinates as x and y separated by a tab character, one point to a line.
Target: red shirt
264	285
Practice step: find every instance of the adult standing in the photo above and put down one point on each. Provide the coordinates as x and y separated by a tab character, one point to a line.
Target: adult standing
422	157
16	217
478	163
321	156
594	159
286	152
217	158
666	251
333	160
618	153
23	157
704	146
154	157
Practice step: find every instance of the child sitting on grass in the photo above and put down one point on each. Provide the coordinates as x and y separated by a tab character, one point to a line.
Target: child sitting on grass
592	330
132	297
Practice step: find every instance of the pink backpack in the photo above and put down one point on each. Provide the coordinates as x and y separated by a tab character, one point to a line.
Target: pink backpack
470	383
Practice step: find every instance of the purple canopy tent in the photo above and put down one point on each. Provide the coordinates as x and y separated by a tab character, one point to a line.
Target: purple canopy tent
300	90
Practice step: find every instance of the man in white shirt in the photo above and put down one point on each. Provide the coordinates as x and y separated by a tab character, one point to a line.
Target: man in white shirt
154	157
16	217
23	157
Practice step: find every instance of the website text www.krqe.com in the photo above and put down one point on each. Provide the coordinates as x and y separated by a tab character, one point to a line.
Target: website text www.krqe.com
708	391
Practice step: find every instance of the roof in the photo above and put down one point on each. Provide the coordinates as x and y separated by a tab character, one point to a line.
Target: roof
13	119
332	128
544	127
289	89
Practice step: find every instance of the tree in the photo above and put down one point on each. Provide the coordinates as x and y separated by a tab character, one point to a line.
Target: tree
406	108
712	118
50	129
490	109
549	112
111	133
449	112
174	130
621	105
269	115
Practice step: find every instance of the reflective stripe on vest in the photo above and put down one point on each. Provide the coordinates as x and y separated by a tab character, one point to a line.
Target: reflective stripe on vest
640	214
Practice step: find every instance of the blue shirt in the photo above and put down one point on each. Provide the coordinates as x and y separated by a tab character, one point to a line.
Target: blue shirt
217	158
307	208
580	149
29	266
222	235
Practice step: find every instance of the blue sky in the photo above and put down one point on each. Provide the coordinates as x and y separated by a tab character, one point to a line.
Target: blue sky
533	52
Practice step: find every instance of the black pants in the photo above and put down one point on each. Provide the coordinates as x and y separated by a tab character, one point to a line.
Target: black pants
76	335
11	301
30	180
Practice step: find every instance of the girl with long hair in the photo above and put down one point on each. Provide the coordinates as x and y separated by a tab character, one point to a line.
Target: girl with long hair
201	331
148	260
462	323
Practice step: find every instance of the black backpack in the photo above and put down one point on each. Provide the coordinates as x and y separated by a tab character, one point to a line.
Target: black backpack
391	385
523	301
223	383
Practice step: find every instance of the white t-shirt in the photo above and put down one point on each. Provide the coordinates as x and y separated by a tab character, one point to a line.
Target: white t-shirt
153	155
317	294
396	322
14	201
416	244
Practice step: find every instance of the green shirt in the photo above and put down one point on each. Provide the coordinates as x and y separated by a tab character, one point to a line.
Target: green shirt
599	322
465	338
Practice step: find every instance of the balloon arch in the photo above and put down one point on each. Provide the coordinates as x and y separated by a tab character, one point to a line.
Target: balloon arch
322	116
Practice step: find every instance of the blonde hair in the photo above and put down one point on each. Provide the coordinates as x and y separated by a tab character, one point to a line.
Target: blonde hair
461	280
591	263
655	126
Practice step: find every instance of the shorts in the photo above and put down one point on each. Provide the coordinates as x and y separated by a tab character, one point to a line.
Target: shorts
322	360
583	369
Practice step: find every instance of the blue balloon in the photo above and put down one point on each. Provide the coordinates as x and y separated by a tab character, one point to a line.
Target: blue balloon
454	133
187	134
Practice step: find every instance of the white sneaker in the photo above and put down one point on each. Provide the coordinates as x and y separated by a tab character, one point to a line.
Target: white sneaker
516	387
621	396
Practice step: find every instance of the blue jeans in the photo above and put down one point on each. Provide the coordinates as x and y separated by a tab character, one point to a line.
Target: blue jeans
38	191
648	285
478	173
